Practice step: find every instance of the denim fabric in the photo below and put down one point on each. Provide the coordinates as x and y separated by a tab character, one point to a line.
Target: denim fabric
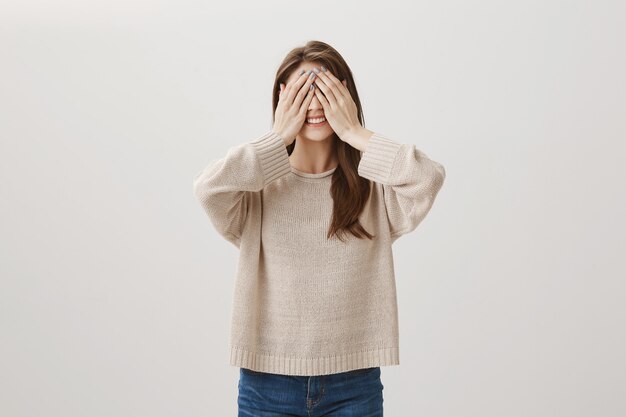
346	394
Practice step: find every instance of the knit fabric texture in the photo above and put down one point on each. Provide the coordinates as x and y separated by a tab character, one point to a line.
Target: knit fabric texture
305	304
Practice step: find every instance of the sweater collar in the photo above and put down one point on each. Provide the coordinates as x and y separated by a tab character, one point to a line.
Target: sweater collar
311	175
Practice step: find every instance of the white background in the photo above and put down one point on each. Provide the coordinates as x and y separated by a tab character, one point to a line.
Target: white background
115	290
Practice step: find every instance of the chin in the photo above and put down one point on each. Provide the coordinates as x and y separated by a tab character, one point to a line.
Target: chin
316	135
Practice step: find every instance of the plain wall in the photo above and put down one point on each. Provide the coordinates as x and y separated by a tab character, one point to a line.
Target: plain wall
116	291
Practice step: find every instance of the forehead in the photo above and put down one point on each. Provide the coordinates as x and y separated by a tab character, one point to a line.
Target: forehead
303	66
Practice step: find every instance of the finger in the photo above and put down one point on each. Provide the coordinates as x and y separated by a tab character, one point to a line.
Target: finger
307	100
290	83
304	90
322	99
336	86
297	84
340	86
280	93
325	88
288	86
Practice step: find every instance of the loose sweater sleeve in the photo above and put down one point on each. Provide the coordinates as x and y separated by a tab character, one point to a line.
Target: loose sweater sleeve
410	181
224	187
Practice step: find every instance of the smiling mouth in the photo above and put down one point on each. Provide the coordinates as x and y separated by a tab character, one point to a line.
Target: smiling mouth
316	120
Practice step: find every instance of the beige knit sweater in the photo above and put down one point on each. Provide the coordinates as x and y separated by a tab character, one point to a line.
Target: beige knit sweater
305	304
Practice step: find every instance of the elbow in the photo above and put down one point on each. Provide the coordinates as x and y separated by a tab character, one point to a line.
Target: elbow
196	187
203	183
438	176
442	173
200	188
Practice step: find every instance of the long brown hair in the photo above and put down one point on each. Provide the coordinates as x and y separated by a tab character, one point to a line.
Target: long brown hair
349	190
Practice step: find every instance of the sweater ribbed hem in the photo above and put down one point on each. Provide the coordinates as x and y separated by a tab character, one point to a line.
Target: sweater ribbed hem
273	156
285	365
378	158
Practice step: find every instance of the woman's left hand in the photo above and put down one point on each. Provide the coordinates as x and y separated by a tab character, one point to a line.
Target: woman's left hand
339	108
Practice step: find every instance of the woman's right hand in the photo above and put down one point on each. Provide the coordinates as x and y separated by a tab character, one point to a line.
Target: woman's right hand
293	104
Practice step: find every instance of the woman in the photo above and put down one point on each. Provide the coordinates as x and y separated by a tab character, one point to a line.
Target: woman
314	205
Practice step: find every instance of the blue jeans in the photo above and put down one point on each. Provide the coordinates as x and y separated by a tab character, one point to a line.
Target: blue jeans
346	394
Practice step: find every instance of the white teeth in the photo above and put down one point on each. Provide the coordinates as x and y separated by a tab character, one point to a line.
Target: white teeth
319	120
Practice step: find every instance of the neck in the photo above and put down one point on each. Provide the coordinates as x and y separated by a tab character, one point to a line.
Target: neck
314	156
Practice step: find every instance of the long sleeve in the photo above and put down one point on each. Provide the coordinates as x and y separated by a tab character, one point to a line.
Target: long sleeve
410	181
225	185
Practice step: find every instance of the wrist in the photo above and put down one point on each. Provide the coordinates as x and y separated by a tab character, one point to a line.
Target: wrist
287	141
357	136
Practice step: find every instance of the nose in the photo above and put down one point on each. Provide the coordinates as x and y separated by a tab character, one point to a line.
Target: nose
315	104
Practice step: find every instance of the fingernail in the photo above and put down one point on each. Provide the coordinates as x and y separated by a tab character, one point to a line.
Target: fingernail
312	86
301	72
316	70
324	68
312	75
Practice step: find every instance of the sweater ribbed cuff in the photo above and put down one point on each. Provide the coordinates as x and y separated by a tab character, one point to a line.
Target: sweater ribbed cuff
273	157
378	158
